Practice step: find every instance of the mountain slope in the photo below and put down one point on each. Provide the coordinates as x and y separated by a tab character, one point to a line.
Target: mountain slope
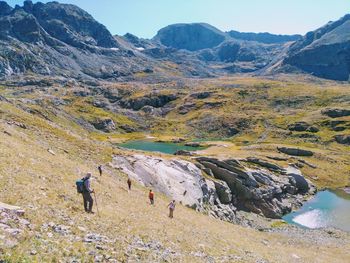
60	40
324	52
266	38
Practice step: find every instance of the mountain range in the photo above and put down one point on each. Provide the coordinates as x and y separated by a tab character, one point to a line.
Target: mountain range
62	40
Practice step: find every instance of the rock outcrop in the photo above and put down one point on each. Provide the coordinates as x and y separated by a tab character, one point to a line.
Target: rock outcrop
302	127
295	151
272	192
153	100
336	113
181	180
106	125
342	139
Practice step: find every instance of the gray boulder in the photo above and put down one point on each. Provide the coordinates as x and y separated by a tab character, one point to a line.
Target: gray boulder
299	182
106	125
342	139
295	151
336	113
302	126
223	192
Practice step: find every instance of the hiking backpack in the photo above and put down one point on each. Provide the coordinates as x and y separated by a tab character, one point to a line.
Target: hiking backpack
80	185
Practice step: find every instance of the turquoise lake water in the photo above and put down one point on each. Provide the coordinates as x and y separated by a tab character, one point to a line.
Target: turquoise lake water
163	147
326	209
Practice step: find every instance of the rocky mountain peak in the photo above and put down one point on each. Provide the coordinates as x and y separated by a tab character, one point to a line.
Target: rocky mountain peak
191	37
67	23
5	9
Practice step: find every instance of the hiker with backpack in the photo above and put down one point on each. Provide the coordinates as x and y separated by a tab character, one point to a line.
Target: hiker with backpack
171	206
151	197
84	187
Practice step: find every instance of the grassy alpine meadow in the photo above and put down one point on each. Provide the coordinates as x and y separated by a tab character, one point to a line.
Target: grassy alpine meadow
46	146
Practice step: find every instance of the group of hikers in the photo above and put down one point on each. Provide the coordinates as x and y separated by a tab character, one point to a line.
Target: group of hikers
84	187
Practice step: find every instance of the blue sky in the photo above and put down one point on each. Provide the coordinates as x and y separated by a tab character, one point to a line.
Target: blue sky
145	17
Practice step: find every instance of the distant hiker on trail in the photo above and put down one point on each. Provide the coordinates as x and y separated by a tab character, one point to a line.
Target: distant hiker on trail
151	197
171	206
100	169
129	183
86	191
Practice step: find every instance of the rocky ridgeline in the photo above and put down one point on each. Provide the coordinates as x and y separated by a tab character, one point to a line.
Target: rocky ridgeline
251	185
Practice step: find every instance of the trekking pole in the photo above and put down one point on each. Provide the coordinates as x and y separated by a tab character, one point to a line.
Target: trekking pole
98	213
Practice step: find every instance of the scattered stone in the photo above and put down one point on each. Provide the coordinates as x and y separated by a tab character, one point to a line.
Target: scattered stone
51	151
12	209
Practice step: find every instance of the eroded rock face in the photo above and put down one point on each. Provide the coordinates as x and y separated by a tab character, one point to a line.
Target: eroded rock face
272	192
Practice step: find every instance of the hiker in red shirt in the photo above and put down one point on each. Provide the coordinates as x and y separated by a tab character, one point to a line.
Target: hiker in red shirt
151	197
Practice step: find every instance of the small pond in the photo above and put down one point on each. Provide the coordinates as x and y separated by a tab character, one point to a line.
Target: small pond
163	147
326	209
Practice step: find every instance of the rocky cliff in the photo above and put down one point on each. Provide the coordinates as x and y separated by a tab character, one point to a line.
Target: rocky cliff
324	52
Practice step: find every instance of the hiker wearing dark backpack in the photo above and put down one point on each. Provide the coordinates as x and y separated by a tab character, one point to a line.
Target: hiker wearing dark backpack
87	191
151	197
100	169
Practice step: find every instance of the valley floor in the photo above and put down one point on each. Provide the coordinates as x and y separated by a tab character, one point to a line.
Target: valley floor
39	163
